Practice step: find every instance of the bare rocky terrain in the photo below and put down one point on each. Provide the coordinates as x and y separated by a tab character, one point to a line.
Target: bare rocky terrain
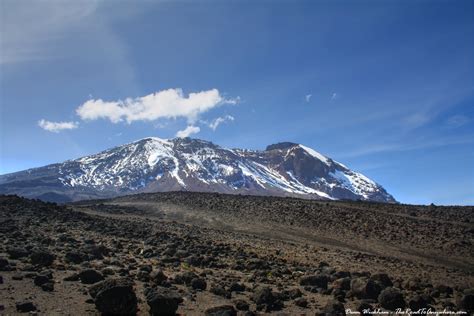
214	254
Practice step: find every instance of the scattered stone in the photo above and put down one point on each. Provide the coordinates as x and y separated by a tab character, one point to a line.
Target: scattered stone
17	253
391	298
382	279
42	258
237	287
365	289
162	301
4	265
466	301
419	302
90	276
158	277
301	302
198	284
241	305
224	310
25	307
333	308
114	297
320	281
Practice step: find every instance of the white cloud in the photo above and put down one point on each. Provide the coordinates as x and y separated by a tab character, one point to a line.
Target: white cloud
457	121
334	96
308	97
28	35
188	131
56	127
171	103
218	121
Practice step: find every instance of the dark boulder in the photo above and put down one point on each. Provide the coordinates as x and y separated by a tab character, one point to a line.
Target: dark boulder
90	276
75	257
198	284
162	301
333	308
25	307
157	277
114	297
320	281
383	279
5	265
419	302
365	289
224	310
17	252
42	258
466	301
241	305
391	298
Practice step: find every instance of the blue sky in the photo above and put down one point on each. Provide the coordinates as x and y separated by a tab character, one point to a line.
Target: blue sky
385	87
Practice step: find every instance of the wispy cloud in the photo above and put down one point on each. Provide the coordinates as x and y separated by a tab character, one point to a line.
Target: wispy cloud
334	96
457	121
218	121
56	127
28	35
171	103
189	130
308	97
401	147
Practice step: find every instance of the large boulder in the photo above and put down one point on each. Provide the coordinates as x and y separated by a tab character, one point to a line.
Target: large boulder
391	298
382	279
466	301
320	281
25	307
365	288
114	297
162	301
333	308
42	258
90	276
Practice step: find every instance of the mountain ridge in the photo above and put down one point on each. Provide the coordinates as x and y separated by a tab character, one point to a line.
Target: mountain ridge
153	164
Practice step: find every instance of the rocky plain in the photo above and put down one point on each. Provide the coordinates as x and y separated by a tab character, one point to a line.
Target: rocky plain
213	254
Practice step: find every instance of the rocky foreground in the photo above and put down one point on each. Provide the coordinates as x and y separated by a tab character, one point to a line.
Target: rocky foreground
209	254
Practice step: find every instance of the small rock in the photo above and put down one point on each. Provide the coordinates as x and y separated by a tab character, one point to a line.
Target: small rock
42	258
4	265
301	302
224	310
237	287
48	287
333	308
320	281
198	284
157	277
241	305
25	307
90	276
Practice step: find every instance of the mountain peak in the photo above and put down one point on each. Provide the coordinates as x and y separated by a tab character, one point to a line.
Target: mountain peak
282	145
154	164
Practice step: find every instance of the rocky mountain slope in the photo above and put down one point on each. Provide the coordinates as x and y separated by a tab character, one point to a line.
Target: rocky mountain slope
185	164
189	253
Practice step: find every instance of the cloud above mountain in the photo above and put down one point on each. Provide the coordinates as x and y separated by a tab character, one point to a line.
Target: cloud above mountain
188	131
218	121
56	127
168	104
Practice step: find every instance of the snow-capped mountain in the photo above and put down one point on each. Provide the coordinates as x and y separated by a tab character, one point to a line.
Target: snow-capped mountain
157	165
